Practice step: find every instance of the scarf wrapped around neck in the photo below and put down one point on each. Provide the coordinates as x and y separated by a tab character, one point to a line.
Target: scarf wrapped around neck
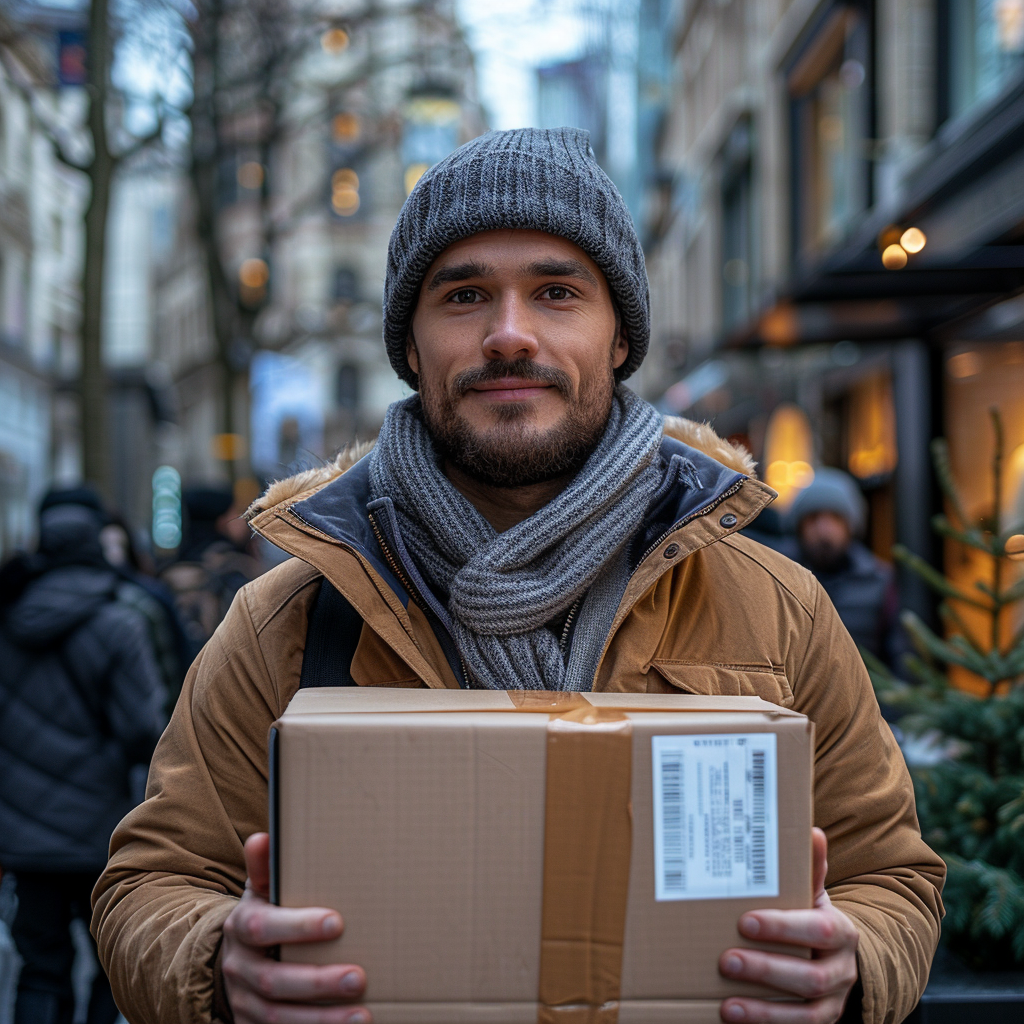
502	589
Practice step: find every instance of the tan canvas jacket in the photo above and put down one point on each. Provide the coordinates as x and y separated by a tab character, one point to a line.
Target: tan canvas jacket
706	611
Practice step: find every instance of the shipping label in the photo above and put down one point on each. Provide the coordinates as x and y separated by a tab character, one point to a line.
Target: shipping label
716	823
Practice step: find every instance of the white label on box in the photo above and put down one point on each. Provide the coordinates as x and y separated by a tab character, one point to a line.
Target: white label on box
716	820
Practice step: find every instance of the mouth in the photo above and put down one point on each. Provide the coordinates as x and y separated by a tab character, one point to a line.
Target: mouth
511	389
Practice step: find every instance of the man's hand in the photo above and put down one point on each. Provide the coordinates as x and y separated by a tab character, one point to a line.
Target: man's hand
261	990
824	981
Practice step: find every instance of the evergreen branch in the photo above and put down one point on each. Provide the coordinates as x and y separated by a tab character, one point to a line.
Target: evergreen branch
939	583
940	459
971	537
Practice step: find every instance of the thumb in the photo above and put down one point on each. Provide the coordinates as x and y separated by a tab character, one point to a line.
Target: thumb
257	863
819	862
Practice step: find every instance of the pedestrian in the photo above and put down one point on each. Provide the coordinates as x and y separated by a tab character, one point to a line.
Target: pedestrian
524	521
213	563
828	517
80	705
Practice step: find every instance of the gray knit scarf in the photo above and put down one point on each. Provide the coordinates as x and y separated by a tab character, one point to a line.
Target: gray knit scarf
502	588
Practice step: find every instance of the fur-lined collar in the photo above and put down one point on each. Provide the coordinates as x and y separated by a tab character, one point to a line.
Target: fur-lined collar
302	485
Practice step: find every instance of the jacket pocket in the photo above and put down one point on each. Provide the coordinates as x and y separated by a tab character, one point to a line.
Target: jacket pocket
768	682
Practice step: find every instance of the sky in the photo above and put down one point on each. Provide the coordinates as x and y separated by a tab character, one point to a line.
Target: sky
511	38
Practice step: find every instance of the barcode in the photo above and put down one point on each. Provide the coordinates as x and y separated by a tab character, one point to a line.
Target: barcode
757	836
673	863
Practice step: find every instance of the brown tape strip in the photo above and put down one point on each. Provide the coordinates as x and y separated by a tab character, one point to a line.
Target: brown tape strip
587	847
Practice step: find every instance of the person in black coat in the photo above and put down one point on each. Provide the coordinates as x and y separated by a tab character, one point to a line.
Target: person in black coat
80	704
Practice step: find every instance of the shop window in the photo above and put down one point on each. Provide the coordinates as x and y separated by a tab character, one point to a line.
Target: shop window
829	86
980	377
985	49
738	250
871	428
788	453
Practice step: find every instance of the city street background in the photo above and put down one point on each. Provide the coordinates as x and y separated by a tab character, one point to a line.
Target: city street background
196	198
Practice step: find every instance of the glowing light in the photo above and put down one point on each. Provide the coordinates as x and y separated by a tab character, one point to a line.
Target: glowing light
894	257
964	364
913	240
250	175
346	127
227	447
779	326
345	201
334	41
254	273
166	527
788	451
872	427
413	173
345	177
1010	25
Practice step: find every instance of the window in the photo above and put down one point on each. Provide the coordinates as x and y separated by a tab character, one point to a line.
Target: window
738	250
986	47
830	116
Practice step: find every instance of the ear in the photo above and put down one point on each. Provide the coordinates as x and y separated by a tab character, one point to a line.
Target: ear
620	349
412	355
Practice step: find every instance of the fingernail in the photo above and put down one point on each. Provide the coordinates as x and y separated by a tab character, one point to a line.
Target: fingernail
750	926
330	924
735	1012
351	983
733	965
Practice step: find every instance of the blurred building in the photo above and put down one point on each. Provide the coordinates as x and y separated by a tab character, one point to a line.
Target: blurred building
41	204
836	241
304	214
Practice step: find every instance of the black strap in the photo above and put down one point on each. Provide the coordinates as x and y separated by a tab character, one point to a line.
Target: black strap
331	640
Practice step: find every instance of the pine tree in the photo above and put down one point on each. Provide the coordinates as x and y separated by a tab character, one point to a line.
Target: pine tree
971	803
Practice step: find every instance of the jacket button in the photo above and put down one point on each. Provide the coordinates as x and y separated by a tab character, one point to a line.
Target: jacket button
672	550
728	520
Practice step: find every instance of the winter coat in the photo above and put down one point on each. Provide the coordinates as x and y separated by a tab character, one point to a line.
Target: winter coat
706	611
80	703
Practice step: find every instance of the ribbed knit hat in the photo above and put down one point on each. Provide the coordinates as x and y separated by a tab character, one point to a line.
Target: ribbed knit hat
532	178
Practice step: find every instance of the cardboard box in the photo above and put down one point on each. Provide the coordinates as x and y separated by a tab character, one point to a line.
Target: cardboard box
521	857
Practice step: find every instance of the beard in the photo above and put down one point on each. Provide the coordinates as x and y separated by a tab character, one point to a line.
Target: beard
824	555
513	453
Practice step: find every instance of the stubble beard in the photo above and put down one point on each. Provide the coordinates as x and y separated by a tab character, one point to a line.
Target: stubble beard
513	453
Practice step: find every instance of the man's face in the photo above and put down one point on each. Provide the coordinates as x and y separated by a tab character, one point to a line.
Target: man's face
825	538
515	341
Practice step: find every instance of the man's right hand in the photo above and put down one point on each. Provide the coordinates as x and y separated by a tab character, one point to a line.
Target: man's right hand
261	990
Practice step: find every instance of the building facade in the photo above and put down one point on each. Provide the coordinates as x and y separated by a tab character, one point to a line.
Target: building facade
836	232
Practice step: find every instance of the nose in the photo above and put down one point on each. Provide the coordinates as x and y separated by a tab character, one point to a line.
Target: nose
510	334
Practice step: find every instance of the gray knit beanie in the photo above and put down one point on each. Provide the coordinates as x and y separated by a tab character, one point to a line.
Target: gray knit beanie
540	179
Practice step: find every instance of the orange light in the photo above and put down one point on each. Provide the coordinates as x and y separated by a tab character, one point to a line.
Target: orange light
779	326
964	364
913	240
788	450
334	41
344	177
254	273
346	127
227	447
250	175
345	201
894	257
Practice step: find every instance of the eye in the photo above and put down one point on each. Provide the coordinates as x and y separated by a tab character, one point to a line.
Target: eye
465	296
557	292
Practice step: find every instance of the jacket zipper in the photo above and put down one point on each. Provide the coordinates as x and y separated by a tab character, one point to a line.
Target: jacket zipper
568	623
412	591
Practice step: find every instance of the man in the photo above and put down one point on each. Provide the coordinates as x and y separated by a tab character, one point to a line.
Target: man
522	522
80	705
828	516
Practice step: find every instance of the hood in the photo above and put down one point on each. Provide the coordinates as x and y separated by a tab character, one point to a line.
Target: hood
57	602
698	436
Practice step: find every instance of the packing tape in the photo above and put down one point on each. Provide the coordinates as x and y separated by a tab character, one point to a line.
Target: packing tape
587	849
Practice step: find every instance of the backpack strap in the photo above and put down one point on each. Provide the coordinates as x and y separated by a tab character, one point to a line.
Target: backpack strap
331	639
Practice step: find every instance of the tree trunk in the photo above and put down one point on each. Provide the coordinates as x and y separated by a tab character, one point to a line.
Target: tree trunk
93	384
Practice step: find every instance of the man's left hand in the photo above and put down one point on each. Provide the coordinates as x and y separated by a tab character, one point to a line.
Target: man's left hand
824	981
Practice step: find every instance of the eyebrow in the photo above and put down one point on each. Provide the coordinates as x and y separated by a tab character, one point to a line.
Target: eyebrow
559	268
459	272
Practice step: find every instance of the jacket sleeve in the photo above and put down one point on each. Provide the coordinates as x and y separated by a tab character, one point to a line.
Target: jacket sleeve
881	874
176	867
135	695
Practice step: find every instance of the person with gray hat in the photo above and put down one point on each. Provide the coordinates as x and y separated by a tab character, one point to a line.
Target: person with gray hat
827	517
524	521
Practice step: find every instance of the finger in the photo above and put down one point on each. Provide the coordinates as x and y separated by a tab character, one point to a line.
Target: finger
821	928
257	863
819	861
249	1007
759	1011
296	982
255	922
810	979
